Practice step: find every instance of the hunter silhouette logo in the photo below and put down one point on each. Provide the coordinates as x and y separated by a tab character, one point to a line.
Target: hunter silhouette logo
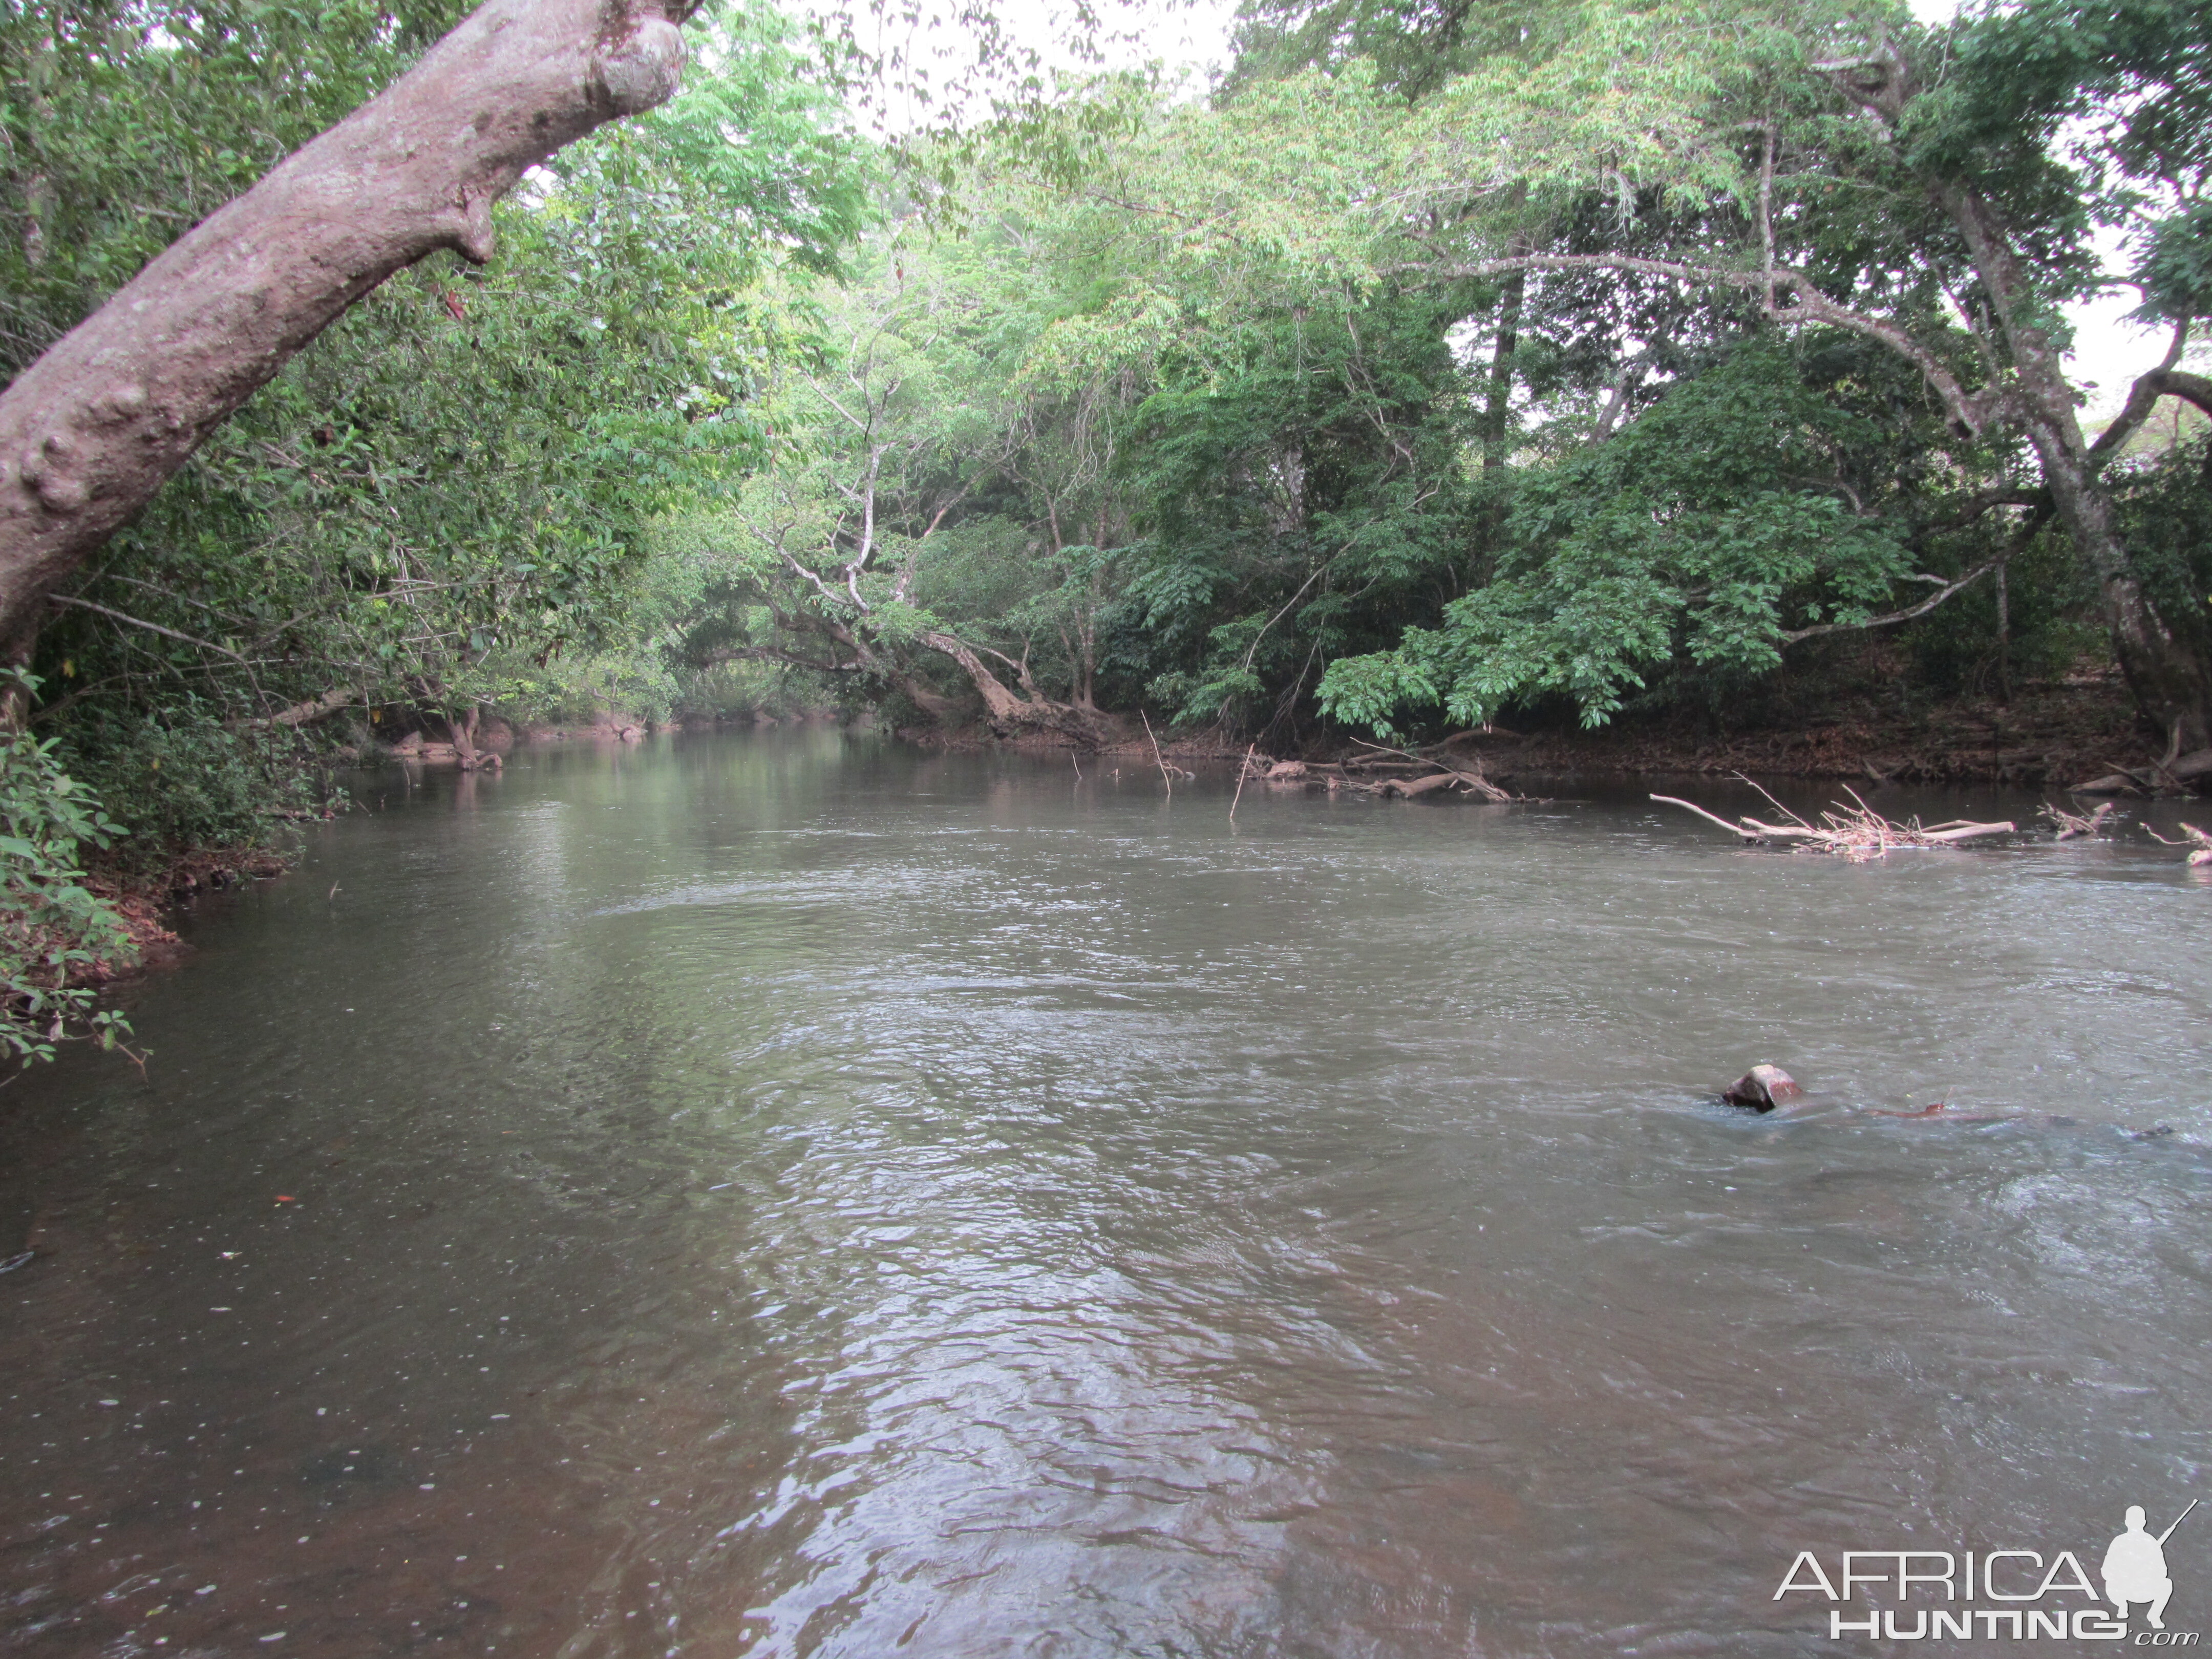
2024	1594
2134	1567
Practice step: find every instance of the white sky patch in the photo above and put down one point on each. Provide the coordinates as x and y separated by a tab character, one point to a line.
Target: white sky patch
1189	36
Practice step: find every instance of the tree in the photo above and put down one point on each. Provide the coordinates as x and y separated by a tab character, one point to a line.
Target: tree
457	481
90	430
917	464
1930	190
1629	190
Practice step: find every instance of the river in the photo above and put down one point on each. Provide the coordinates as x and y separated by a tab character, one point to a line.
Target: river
792	1194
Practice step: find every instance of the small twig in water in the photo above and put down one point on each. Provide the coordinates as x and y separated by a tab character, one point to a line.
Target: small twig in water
1784	811
1156	756
1241	772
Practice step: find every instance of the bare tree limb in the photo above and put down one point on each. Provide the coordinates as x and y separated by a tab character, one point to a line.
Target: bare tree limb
151	628
2144	395
1944	591
304	713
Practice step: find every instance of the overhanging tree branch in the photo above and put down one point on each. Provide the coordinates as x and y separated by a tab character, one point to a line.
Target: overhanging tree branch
91	429
1792	636
151	628
1945	587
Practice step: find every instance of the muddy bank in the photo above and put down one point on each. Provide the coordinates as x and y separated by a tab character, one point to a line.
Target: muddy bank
500	735
2048	736
147	901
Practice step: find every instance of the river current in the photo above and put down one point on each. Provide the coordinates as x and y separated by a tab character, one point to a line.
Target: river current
792	1195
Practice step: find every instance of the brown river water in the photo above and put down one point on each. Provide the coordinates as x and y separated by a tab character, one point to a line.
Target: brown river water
790	1194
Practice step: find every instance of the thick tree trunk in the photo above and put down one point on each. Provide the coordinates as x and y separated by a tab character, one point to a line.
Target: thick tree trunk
89	431
2169	677
2170	681
1497	410
1010	715
938	707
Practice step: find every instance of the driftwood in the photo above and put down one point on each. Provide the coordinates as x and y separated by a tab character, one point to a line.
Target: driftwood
2175	772
1449	775
1410	788
1854	832
2195	837
2070	824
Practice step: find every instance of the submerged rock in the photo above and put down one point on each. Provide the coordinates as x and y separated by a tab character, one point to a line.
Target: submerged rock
1762	1089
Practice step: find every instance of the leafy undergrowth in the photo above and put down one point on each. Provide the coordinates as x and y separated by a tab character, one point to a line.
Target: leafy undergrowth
58	936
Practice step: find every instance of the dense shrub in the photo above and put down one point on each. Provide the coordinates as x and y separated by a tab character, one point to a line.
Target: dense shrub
51	924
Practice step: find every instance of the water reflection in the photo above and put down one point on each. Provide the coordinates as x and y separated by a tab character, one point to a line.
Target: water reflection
784	1195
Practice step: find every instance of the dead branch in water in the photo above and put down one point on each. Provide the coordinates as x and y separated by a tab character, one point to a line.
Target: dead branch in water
1449	775
1156	756
2197	838
2070	824
1242	772
1857	831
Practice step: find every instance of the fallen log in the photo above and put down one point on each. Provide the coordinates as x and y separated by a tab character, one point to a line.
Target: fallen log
1450	773
2112	783
1410	788
2145	780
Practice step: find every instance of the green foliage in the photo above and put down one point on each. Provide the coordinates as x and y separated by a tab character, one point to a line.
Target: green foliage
1702	532
456	486
51	924
126	124
1225	409
189	781
2167	506
2175	273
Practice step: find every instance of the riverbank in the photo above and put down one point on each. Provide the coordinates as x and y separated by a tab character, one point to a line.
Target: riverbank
146	902
2049	736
